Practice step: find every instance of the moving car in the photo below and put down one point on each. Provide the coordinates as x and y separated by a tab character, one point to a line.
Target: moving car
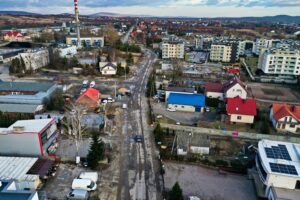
84	184
78	194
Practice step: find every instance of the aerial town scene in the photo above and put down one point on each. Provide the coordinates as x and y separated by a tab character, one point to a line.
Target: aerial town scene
150	100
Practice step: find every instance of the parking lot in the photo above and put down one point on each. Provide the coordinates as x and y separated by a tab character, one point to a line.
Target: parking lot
208	184
188	118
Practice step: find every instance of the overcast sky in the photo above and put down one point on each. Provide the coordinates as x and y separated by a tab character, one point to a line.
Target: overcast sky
195	8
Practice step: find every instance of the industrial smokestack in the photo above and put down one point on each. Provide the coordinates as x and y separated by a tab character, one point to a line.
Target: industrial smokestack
77	23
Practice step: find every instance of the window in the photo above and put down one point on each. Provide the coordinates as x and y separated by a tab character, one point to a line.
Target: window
292	125
297	185
239	117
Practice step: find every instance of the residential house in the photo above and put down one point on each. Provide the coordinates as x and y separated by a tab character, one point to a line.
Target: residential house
108	68
285	117
241	110
186	102
13	36
214	90
90	99
235	87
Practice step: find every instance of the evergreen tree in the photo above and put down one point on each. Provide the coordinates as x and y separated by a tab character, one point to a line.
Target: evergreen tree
96	152
176	193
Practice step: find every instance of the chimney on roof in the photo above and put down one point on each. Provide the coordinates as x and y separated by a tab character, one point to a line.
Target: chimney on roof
293	108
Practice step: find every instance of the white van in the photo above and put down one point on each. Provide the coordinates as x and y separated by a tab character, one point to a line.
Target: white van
78	195
93	176
124	106
84	184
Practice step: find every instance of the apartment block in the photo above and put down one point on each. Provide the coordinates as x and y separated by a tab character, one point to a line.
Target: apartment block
281	62
224	52
172	47
262	43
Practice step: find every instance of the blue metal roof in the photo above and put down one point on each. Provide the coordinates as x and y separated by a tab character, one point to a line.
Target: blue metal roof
187	99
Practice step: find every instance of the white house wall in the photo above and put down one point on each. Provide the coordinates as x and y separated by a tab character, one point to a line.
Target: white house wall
236	90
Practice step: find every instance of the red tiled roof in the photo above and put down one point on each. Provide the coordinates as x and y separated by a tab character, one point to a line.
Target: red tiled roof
283	110
92	93
213	87
13	34
241	106
232	82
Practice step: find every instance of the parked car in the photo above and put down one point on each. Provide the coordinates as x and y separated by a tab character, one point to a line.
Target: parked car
159	116
84	184
207	109
93	176
171	109
92	84
177	123
124	106
78	194
110	100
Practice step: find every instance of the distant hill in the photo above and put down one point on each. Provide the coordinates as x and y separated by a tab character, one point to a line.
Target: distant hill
274	19
17	13
277	18
109	14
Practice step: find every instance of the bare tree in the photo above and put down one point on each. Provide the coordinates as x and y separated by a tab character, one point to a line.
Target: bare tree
111	34
74	125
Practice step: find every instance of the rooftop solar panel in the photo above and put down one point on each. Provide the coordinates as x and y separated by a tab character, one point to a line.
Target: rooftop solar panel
278	152
285	169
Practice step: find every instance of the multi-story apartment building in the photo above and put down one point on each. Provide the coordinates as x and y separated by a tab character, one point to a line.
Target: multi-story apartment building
262	43
172	47
224	52
243	46
278	169
281	61
203	43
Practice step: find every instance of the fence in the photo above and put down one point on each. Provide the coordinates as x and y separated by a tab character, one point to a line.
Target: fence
235	134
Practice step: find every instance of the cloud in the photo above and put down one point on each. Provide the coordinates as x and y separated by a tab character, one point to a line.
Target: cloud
117	3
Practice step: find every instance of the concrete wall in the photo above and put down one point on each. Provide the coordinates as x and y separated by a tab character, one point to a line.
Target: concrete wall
282	181
245	135
184	108
20	144
243	119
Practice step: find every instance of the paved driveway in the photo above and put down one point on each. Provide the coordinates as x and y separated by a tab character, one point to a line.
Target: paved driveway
188	118
208	184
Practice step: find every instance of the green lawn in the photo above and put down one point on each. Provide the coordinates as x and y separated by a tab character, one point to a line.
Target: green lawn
252	63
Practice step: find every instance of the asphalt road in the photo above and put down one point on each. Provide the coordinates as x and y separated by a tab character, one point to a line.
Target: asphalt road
139	169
